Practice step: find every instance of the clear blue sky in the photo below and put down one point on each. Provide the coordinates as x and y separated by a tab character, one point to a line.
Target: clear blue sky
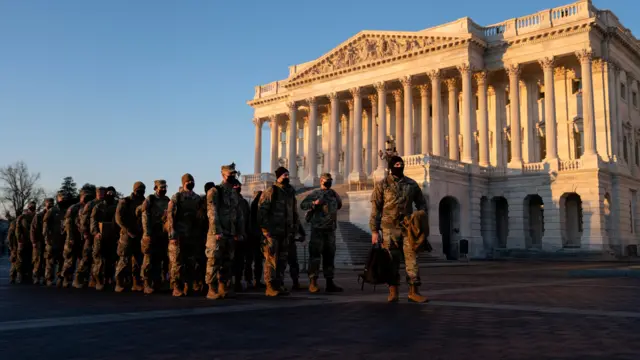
111	92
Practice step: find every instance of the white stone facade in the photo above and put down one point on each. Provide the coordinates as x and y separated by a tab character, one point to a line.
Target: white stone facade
524	134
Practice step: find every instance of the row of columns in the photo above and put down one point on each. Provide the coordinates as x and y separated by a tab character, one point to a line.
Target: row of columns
435	140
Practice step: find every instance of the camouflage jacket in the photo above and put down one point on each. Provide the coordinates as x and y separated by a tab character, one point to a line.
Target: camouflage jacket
104	213
182	214
84	217
53	225
278	211
36	229
154	214
392	200
23	228
245	209
325	216
127	215
11	236
71	220
224	212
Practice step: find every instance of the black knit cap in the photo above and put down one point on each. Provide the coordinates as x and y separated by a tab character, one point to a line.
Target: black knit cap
395	159
281	170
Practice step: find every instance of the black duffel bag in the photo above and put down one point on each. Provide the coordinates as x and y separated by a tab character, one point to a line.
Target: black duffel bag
377	270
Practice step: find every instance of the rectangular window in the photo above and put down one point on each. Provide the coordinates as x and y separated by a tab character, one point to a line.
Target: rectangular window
632	211
625	148
576	85
541	95
477	107
637	153
634	98
623	91
319	130
283	136
300	133
430	110
577	144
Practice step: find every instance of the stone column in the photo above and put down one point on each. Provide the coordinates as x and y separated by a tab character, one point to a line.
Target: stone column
257	157
453	119
312	143
468	143
483	118
293	133
367	142
382	126
357	173
335	137
408	116
614	95
424	117
437	147
273	123
514	97
588	114
347	128
397	96
374	133
550	126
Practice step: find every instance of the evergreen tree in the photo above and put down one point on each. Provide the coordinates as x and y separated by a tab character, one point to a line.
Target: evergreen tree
70	190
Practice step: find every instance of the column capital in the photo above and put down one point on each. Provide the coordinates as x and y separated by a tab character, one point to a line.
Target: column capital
333	96
584	55
464	68
481	77
424	90
613	65
434	75
547	63
273	120
380	86
406	81
311	101
257	122
350	104
559	72
513	69
374	99
291	105
397	94
355	92
491	91
451	84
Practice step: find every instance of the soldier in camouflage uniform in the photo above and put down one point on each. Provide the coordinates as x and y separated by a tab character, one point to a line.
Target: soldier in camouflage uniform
182	223
105	236
37	242
13	251
226	226
25	248
54	239
322	212
392	200
243	256
83	272
74	244
154	238
278	218
129	247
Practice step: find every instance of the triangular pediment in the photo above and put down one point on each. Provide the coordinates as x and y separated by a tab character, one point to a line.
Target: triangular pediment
370	47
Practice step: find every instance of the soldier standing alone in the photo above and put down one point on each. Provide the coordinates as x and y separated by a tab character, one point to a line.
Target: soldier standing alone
392	200
322	206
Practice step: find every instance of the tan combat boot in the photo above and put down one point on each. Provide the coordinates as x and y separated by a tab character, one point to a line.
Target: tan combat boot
137	285
313	285
222	290
393	293
119	288
92	282
177	292
77	283
148	289
213	294
271	291
414	295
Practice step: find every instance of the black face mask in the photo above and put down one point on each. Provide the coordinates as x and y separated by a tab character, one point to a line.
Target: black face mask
162	192
238	190
190	186
139	193
328	184
32	209
285	181
397	171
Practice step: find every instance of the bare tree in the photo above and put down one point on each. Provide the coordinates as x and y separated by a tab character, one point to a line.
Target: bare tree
18	186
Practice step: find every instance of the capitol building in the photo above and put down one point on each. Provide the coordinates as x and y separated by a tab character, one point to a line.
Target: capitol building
524	135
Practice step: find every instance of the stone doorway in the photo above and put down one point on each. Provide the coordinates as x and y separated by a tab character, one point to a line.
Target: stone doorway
449	213
501	206
571	220
533	220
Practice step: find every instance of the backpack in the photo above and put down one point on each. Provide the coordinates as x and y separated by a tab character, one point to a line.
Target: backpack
377	270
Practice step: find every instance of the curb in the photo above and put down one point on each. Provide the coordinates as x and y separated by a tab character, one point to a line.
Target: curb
602	273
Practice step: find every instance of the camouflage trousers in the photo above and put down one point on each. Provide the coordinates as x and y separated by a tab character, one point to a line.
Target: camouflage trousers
292	260
72	253
23	261
85	263
104	260
130	258
13	270
247	260
37	261
183	261
322	245
154	254
394	241
220	255
275	251
54	262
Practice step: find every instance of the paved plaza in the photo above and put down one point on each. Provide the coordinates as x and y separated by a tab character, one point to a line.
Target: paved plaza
485	310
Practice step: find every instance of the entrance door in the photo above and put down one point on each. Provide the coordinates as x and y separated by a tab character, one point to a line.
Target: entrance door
449	226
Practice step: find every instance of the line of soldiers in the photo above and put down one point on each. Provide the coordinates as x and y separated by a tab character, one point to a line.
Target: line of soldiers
187	243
